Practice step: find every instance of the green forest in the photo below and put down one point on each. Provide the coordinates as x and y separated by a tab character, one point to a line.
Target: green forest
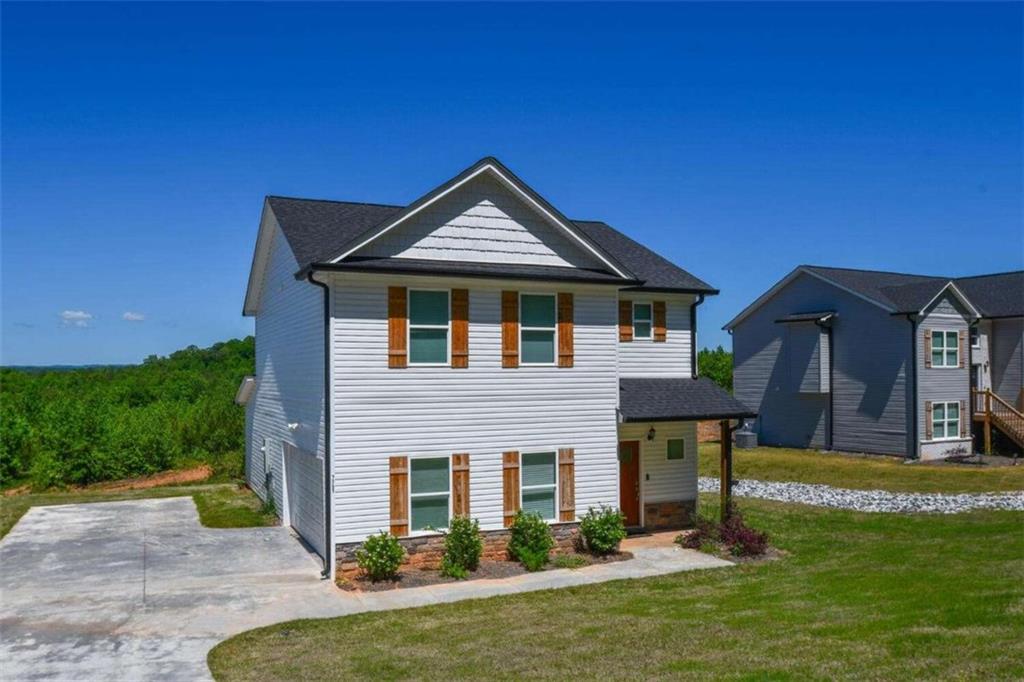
84	425
78	426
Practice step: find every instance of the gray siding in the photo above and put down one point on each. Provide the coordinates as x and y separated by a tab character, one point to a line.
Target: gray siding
870	354
1007	359
941	383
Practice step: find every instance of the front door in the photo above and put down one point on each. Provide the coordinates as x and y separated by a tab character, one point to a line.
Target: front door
629	481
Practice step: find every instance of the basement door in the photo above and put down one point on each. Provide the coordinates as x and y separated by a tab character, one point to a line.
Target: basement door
629	481
304	495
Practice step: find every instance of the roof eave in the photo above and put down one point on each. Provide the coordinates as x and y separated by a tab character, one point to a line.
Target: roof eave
442	272
676	290
687	418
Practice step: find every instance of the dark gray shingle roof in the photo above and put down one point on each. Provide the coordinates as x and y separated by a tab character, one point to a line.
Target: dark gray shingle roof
999	295
318	230
671	399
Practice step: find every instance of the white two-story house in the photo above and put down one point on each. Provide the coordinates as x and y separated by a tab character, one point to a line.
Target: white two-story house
473	352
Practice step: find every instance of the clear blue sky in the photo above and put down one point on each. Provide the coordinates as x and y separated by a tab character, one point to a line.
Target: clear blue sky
738	140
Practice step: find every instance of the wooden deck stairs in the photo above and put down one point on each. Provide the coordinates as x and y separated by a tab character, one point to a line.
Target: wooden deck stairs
994	411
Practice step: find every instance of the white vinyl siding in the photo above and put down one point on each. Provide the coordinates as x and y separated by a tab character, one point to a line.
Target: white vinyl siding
663	479
482	410
945	348
668	359
289	373
946	420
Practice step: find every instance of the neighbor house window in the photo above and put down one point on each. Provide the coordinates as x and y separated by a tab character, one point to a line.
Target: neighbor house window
945	420
539	483
975	338
641	320
429	493
945	349
675	448
428	327
537	329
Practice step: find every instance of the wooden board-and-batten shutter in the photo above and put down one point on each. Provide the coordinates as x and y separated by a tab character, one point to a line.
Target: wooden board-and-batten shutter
927	420
625	320
510	485
963	419
460	485
510	329
399	483
660	332
460	328
927	347
397	324
565	331
962	347
566	484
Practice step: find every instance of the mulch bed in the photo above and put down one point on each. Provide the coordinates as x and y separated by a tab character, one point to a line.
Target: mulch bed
488	569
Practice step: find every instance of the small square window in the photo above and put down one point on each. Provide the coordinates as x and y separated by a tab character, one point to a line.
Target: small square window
641	320
945	349
945	420
676	449
975	338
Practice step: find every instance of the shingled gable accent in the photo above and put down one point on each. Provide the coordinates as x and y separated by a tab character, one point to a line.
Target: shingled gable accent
518	188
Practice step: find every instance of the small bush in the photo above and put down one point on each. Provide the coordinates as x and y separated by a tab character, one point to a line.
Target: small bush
705	532
380	556
603	529
530	540
571	561
741	539
462	548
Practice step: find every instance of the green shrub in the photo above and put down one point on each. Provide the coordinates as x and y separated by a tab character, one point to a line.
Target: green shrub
603	529
571	561
530	540
380	556
462	548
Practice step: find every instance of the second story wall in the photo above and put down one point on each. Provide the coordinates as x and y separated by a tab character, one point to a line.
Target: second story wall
1007	359
645	357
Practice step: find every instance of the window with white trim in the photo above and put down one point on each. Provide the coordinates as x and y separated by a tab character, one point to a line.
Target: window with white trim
429	492
945	420
428	327
537	329
975	337
945	349
538	487
642	317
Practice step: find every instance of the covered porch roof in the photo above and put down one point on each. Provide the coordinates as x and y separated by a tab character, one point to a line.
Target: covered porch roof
677	399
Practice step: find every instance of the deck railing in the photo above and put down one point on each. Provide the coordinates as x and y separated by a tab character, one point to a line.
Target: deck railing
995	411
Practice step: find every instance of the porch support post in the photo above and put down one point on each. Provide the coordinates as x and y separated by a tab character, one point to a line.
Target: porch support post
725	475
988	422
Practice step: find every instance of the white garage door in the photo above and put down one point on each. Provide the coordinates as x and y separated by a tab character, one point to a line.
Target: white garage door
304	481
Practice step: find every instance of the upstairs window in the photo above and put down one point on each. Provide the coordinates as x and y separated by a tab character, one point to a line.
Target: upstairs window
945	349
641	320
429	493
428	327
537	329
539	484
945	420
975	337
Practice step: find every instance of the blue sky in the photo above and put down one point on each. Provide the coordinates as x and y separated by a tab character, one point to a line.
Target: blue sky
737	140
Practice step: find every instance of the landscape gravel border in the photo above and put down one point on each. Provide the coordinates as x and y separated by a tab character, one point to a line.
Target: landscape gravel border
821	495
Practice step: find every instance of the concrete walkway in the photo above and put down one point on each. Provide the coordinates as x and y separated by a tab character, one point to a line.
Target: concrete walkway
140	590
868	500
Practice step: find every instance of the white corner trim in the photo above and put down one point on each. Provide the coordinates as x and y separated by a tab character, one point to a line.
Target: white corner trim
509	183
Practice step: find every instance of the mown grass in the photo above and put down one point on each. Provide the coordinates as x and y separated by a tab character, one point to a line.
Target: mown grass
861	472
225	505
874	596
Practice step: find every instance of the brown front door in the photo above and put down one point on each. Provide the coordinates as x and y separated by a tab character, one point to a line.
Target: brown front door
629	481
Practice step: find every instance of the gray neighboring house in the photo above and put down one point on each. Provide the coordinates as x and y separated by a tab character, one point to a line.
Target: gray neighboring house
883	362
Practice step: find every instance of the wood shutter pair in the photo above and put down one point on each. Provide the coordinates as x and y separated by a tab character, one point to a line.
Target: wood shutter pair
659	326
510	477
398	476
398	325
510	329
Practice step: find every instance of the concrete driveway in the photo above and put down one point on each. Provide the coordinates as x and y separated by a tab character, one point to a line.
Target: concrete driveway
140	590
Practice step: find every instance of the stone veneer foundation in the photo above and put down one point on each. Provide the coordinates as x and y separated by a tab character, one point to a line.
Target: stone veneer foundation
425	551
669	515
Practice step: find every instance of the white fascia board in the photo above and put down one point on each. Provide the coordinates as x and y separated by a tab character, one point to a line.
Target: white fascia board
508	182
956	292
261	254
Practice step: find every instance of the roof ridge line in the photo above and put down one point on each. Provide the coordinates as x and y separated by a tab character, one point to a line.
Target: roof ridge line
991	274
884	272
335	201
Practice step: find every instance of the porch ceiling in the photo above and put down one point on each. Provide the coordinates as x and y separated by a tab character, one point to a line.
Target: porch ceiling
677	399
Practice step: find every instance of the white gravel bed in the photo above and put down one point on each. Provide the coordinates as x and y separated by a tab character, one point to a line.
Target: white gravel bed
868	500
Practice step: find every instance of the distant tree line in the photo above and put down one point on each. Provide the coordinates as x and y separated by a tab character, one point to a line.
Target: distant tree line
716	365
79	426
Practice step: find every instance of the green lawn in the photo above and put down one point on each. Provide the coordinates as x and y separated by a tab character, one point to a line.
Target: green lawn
865	473
224	505
876	596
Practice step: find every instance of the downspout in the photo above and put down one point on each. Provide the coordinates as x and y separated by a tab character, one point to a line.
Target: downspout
913	388
693	335
328	496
